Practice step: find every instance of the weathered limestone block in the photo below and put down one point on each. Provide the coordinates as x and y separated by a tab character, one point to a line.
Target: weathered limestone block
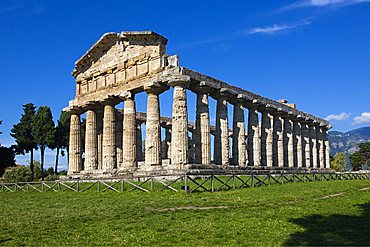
153	130
179	145
119	139
239	144
267	138
91	142
288	143
75	159
254	138
129	133
321	148
222	146
109	139
202	134
298	154
314	151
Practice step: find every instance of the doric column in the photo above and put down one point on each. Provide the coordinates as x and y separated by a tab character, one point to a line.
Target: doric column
267	138
166	149
129	132
139	143
91	142
297	144
153	129
109	138
239	145
320	147
327	149
222	146
278	140
288	143
313	137
202	134
74	152
119	139
99	130
254	140
179	149
306	144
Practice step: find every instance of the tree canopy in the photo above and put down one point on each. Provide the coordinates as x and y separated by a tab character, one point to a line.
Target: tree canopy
338	163
361	157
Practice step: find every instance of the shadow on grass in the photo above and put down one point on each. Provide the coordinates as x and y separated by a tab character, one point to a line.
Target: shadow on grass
333	230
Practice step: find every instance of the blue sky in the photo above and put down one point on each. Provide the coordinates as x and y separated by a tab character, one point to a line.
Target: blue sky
314	53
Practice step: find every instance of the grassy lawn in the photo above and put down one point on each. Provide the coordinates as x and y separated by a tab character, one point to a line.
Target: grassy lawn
317	213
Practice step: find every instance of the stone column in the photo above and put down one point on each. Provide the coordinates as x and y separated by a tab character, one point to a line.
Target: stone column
91	142
119	139
139	143
288	143
278	140
297	144
202	134
254	140
327	149
153	129
321	148
239	145
75	161
179	149
99	130
109	138
306	144
222	146
129	132
267	137
313	137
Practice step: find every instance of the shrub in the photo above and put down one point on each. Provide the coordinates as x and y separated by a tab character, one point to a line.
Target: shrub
17	174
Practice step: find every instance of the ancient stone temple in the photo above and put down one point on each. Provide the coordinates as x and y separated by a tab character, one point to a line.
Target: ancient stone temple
263	135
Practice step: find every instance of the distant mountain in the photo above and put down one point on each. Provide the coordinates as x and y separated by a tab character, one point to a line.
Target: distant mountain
347	142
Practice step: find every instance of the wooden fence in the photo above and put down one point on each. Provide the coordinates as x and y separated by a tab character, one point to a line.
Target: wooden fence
188	183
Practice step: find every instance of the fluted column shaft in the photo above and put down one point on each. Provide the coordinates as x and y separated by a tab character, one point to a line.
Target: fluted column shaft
297	145
129	133
321	148
239	145
74	152
109	138
91	142
267	138
288	143
202	134
278	141
313	137
99	130
153	130
222	146
254	140
119	138
179	149
306	144
327	149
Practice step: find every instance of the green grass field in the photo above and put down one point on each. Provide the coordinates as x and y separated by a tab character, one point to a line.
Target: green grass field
316	213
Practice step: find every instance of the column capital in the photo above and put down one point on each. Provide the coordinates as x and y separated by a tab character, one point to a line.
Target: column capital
126	95
154	89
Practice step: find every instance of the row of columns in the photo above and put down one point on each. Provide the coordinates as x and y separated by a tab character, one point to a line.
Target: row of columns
277	140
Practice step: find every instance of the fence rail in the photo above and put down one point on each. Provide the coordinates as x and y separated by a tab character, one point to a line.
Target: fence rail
189	183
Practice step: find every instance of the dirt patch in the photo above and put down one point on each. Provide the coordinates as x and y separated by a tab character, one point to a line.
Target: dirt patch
186	208
332	195
362	189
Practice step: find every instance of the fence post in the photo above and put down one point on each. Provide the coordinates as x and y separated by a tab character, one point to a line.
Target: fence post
42	186
152	184
98	185
78	185
122	185
233	182
213	183
252	181
186	183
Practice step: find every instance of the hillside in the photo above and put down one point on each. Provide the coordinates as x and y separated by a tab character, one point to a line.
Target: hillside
347	142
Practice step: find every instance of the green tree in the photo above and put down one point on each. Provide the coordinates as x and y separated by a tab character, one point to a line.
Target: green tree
61	137
44	132
23	134
338	163
361	157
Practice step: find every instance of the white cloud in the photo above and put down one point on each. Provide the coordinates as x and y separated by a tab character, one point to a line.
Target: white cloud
275	28
320	3
338	117
12	6
364	118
